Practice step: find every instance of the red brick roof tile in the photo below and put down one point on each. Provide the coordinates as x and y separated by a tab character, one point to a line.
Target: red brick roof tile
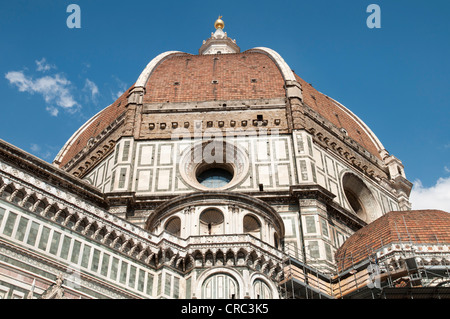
241	76
334	113
417	227
103	119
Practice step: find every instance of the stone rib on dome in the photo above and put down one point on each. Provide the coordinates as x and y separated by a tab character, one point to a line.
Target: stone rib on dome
417	226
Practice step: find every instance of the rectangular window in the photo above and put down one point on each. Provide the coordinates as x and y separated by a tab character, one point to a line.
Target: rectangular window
310	224
44	238
86	255
75	252
159	284
188	288
314	249
328	253
33	233
113	179
2	213
114	268
324	228
126	149
105	263
149	284
168	284
21	230
95	260
301	148
10	222
117	153
310	146
303	170
65	247
123	173
176	288
141	278
123	272
313	171
340	239
132	276
55	243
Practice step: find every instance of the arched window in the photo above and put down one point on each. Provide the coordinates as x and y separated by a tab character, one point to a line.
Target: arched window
173	226
41	207
7	192
252	226
220	286
18	197
261	290
29	203
276	240
211	222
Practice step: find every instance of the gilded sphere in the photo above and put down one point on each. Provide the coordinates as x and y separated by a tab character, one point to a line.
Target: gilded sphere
219	23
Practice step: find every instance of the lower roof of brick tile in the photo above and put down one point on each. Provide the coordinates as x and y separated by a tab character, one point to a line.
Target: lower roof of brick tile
414	227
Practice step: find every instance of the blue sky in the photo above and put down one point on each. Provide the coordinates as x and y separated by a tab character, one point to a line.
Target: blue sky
395	78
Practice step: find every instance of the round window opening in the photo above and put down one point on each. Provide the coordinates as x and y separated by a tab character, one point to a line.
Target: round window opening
214	176
354	202
360	198
213	166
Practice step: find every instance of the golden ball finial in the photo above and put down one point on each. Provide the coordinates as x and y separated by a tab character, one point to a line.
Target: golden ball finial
219	24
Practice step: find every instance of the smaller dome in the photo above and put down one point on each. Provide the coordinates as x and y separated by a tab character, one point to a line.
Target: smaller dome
219	24
416	227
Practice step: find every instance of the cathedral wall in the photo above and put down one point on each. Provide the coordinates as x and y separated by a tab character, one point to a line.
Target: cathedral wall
158	168
320	166
53	241
86	265
274	161
45	232
153	167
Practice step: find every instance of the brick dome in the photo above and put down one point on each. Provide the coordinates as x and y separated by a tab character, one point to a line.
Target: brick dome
417	226
252	75
190	78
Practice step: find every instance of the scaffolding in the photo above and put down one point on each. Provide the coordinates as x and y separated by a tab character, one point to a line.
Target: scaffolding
302	280
397	270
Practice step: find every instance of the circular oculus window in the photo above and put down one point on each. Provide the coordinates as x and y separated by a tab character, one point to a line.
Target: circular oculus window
226	172
214	177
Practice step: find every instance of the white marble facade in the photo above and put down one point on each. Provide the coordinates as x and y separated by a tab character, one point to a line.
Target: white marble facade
276	162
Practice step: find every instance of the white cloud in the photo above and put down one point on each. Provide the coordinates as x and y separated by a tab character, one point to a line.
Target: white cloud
122	87
54	89
19	79
434	197
43	66
117	94
92	88
52	110
42	152
35	148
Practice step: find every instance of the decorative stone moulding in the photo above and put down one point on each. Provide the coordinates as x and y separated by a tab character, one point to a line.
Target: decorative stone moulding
209	199
213	154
